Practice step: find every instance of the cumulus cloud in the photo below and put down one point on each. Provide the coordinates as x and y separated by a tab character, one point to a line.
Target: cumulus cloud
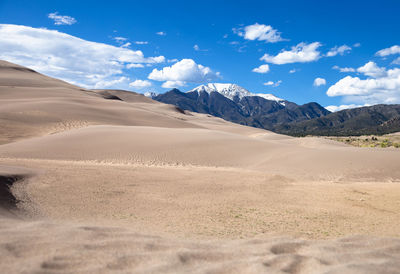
259	32
389	51
68	57
301	53
62	19
273	84
356	86
345	69
379	87
262	69
319	82
342	107
140	84
106	83
129	66
173	84
183	71
371	69
161	33
338	50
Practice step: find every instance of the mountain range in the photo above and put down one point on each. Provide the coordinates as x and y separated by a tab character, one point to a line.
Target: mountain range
236	104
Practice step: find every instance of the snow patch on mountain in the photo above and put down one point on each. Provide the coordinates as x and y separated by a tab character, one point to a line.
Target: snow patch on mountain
232	90
150	94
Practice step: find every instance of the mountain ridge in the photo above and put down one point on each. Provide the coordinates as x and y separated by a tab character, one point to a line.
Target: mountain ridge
377	119
231	91
236	104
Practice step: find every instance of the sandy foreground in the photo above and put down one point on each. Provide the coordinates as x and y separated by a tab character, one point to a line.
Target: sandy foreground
121	183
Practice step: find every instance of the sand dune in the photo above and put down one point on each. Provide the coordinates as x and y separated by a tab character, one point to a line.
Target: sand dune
312	158
108	180
47	247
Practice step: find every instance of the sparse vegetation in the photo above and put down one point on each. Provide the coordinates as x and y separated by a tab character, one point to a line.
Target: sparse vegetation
389	140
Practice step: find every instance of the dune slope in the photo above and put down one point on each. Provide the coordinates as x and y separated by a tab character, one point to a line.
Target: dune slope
108	180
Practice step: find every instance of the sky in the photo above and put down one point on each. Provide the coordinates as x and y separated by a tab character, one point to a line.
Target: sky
340	54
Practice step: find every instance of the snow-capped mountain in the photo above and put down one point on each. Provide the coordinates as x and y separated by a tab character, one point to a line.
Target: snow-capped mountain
232	90
150	94
236	104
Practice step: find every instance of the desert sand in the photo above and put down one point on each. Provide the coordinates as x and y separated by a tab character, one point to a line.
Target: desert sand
111	181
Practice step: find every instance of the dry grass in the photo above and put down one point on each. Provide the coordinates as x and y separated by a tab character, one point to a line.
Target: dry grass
384	141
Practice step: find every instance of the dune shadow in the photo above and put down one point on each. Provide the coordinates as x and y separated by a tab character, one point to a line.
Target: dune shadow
7	200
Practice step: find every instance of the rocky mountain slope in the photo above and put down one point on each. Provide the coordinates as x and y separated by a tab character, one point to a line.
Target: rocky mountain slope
377	119
234	103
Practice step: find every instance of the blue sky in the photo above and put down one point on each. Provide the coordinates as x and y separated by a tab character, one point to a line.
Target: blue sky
188	43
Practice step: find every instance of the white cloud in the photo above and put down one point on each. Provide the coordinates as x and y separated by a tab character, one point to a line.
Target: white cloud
109	83
384	88
197	48
357	45
396	61
389	51
161	33
262	69
154	60
141	42
319	82
119	39
184	71
122	42
126	45
273	84
342	107
371	69
67	57
260	32
140	84
346	69
292	70
172	60
300	53
129	66
62	19
338	50
173	84
356	86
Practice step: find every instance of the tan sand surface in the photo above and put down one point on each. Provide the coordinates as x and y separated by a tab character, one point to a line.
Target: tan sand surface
133	185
